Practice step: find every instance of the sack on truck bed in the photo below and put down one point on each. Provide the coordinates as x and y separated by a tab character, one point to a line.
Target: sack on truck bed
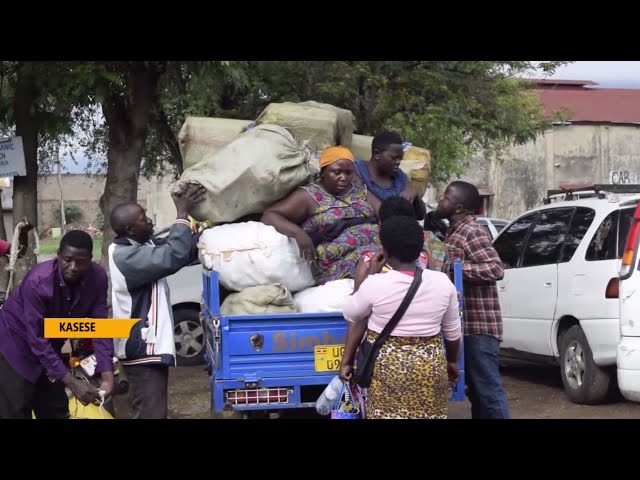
329	297
323	125
252	253
202	136
253	171
259	300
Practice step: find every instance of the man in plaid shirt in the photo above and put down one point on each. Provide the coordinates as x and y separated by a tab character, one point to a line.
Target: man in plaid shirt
481	266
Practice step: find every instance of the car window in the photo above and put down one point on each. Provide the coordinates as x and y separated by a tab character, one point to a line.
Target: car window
510	242
604	244
547	237
499	226
580	223
485	227
626	219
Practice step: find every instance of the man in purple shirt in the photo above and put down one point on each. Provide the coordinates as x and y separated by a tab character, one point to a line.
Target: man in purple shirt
33	374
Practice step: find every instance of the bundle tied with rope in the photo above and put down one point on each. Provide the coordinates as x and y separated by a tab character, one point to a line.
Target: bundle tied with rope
15	251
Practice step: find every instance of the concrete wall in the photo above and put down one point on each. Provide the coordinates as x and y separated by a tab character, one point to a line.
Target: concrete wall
160	206
81	190
565	154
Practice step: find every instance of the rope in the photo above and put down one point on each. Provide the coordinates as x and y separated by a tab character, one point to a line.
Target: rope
13	257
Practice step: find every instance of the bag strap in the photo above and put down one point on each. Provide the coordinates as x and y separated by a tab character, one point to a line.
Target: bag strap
388	328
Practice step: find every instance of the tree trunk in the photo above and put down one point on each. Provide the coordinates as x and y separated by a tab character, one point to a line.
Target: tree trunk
127	117
25	189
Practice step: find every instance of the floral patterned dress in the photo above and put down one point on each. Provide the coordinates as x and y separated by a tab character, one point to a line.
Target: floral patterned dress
435	251
338	259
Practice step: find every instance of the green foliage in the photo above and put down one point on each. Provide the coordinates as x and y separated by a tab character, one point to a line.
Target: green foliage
455	109
72	213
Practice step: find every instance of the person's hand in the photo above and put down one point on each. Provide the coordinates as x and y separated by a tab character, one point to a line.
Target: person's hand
453	372
378	261
345	372
305	244
27	226
107	384
189	196
83	391
409	194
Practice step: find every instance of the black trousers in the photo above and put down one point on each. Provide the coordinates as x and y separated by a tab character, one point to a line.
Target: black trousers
148	391
20	398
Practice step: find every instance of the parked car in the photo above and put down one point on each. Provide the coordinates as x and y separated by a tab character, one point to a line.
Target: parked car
559	294
628	357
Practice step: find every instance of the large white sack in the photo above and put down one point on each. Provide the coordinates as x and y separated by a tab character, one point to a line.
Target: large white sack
252	253
258	168
329	297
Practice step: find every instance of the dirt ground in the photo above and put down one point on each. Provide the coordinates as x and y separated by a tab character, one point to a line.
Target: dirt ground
533	393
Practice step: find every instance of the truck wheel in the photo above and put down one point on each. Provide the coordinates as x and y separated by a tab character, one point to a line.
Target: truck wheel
189	337
584	382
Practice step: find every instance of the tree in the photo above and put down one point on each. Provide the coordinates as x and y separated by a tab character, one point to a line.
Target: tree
126	98
135	96
189	88
36	101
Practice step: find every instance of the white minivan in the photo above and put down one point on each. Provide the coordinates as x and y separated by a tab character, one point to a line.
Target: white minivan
559	294
628	358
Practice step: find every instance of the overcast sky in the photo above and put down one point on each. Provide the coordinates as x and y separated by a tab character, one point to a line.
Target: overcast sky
606	74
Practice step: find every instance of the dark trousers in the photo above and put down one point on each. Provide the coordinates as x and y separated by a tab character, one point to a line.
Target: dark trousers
482	376
20	398
148	391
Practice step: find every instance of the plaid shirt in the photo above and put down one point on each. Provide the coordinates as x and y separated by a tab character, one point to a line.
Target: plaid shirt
481	266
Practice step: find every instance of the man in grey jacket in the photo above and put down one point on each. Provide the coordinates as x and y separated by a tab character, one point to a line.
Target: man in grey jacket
138	265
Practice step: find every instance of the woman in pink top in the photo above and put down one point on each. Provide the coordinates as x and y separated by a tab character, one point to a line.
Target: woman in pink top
411	377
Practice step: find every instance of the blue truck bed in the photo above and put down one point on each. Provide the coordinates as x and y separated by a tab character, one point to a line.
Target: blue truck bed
271	362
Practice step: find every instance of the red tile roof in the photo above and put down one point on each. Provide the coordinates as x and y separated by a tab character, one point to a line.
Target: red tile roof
596	105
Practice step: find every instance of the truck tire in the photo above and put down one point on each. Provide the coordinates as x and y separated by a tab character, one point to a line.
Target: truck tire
189	337
584	382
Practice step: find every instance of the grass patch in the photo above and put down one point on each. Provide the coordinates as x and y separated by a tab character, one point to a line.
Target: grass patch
49	246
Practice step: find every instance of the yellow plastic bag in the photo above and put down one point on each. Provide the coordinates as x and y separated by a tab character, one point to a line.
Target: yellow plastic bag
91	412
81	412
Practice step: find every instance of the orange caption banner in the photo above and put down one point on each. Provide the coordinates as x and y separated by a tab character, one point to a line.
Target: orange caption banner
88	327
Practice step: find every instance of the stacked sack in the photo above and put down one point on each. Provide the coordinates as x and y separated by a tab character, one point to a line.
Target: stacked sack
246	166
265	269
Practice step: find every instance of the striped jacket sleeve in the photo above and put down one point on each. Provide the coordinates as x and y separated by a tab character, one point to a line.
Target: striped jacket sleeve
148	263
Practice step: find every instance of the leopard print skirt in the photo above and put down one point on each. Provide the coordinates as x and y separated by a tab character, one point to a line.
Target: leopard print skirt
409	379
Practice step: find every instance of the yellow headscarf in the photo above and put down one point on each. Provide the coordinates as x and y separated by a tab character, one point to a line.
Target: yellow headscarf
333	154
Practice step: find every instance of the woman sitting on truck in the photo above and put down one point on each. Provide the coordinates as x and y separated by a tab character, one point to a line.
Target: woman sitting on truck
333	221
412	374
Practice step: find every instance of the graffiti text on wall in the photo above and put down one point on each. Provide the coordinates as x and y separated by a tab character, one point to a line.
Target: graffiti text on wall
618	177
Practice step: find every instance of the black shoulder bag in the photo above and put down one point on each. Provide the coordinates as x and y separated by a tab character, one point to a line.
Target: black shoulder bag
368	352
